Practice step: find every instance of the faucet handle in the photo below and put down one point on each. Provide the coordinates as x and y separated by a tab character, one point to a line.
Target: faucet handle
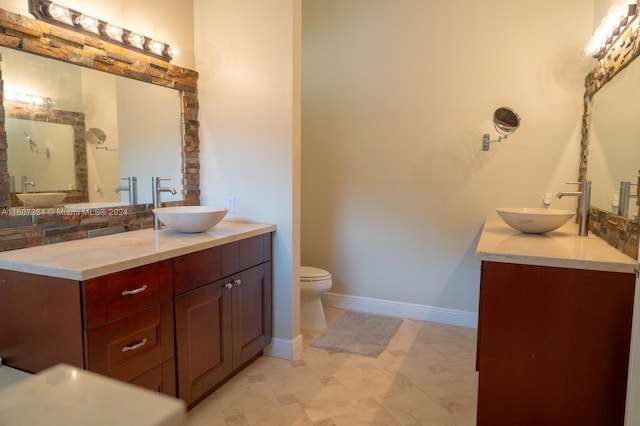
588	182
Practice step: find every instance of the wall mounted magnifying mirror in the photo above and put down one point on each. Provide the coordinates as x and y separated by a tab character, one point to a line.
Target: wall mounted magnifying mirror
505	121
97	138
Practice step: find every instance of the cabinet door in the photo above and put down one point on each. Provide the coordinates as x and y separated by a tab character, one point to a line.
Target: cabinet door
251	313
553	345
203	340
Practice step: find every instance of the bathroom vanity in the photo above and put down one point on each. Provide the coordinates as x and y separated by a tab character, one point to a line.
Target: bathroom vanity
177	313
554	328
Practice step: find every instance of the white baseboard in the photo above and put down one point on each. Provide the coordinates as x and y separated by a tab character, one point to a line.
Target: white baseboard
284	348
401	310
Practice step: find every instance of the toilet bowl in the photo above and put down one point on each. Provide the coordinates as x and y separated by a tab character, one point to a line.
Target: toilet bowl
313	283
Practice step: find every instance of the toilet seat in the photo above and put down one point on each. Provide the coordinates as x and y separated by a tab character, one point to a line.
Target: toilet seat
311	274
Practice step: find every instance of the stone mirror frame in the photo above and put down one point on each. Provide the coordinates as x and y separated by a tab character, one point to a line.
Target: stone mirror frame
620	232
40	38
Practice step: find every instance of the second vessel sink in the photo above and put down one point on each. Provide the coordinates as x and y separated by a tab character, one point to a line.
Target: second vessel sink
41	199
190	219
534	220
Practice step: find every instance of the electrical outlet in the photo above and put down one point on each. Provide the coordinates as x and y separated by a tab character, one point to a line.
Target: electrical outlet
231	204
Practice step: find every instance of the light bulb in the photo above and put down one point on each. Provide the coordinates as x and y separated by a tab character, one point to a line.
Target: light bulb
87	22
156	47
113	31
136	40
59	13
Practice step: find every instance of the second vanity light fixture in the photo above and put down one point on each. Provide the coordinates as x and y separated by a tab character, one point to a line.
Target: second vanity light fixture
506	121
607	36
56	13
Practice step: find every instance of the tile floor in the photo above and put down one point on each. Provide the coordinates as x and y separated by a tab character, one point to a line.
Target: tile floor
426	376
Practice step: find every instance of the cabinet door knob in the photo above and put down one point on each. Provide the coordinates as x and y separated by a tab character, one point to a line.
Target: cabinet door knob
136	291
238	282
229	286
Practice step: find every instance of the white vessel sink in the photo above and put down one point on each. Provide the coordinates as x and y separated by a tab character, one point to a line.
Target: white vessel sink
41	199
190	219
534	220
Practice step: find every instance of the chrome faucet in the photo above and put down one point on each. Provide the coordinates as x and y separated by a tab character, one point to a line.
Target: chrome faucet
155	192
585	201
624	197
26	183
131	187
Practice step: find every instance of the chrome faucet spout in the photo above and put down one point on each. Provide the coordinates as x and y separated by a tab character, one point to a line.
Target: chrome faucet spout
569	194
157	190
131	187
585	201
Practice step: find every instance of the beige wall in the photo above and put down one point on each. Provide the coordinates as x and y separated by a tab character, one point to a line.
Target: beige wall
247	54
396	97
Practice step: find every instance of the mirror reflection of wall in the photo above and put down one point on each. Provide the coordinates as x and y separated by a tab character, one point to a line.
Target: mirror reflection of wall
43	152
142	122
614	140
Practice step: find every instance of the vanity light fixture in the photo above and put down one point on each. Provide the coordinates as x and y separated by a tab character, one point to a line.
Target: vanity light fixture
55	13
24	98
608	35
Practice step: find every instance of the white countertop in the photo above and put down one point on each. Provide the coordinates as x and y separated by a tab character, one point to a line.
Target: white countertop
68	396
92	257
560	248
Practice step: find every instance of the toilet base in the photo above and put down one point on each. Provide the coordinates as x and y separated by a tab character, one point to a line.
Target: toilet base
312	314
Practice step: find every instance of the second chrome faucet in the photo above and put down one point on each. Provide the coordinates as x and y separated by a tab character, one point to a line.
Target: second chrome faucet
585	201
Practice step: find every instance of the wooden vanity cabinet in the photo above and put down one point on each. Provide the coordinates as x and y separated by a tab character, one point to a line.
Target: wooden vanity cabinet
553	345
184	324
222	313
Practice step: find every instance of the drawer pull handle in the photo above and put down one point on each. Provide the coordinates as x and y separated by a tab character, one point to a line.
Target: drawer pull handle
136	346
238	282
229	286
136	291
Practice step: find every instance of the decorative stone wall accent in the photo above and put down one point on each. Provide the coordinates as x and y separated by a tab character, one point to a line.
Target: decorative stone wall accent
622	233
618	231
23	228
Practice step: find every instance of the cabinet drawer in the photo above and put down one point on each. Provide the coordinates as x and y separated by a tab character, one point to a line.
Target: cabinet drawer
114	296
126	348
203	267
196	269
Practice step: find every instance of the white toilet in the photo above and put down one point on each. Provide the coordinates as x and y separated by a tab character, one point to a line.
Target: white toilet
313	283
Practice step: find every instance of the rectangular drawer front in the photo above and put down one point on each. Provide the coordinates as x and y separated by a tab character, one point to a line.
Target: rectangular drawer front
197	269
126	348
114	296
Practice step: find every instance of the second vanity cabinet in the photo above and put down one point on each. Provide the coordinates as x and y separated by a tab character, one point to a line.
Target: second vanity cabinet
223	312
553	332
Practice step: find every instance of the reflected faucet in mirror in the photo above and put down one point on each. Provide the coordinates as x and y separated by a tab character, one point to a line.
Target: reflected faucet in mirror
131	187
505	121
585	201
624	197
26	183
157	190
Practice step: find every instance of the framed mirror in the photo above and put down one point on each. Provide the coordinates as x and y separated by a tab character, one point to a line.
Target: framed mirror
133	125
614	144
146	106
609	156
